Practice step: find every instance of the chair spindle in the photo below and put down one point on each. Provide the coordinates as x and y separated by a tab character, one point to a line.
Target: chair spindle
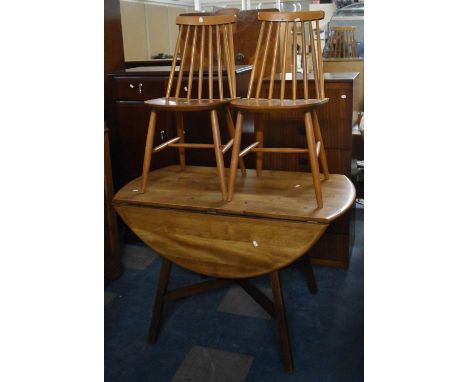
200	69
273	65
254	67
218	52
294	61
192	63
283	65
182	63
314	60
174	62
320	62
210	63
304	61
233	67
265	54
227	59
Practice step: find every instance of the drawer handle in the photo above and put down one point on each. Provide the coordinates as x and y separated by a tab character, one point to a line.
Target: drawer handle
162	135
131	86
140	85
343	96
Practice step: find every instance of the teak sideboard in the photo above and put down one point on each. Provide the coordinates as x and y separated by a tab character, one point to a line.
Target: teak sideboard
128	122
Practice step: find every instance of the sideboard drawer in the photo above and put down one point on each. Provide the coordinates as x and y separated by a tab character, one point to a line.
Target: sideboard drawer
139	89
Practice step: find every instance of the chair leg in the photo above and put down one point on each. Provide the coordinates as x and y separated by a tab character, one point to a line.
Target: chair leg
259	127
232	133
148	151
159	301
180	134
235	154
282	323
322	153
218	152
313	158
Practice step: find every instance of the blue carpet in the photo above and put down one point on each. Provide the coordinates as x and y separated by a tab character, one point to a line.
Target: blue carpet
326	330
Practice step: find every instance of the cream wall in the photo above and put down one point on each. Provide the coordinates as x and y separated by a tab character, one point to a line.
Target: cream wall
134	30
148	29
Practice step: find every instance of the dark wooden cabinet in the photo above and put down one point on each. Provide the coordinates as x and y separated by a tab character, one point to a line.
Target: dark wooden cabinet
129	121
113	60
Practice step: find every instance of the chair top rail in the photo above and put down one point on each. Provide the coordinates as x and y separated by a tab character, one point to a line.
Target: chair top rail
291	16
206	20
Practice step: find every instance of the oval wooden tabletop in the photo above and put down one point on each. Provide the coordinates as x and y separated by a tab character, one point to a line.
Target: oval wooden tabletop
219	245
276	194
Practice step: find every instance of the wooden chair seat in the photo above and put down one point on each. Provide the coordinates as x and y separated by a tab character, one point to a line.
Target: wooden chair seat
279	105
184	104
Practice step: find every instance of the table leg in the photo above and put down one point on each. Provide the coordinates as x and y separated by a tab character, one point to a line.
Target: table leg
159	301
306	267
282	323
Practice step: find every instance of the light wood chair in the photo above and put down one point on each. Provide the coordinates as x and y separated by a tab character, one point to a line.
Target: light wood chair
341	43
201	41
279	26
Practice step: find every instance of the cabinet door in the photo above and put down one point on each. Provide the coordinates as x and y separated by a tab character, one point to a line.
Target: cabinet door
131	128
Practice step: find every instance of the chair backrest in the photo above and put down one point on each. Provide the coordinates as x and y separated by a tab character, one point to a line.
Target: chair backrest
201	40
285	51
341	43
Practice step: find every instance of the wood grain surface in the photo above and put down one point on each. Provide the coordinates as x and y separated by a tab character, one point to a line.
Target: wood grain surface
276	194
219	245
271	105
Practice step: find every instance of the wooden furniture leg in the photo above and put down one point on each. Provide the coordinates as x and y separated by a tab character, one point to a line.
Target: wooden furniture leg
159	301
218	152
232	133
180	134
235	154
190	290
258	296
322	153
308	270
148	151
259	127
311	144
282	323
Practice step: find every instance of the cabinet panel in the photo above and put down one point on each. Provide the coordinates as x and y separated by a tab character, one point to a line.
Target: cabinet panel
289	129
340	105
131	129
339	162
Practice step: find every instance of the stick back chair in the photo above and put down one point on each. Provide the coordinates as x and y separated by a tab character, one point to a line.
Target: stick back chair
341	43
203	42
285	33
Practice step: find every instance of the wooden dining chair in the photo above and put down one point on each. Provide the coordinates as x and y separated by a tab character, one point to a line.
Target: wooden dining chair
202	43
285	32
341	43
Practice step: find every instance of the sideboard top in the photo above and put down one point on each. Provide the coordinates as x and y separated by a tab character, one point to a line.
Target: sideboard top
163	71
